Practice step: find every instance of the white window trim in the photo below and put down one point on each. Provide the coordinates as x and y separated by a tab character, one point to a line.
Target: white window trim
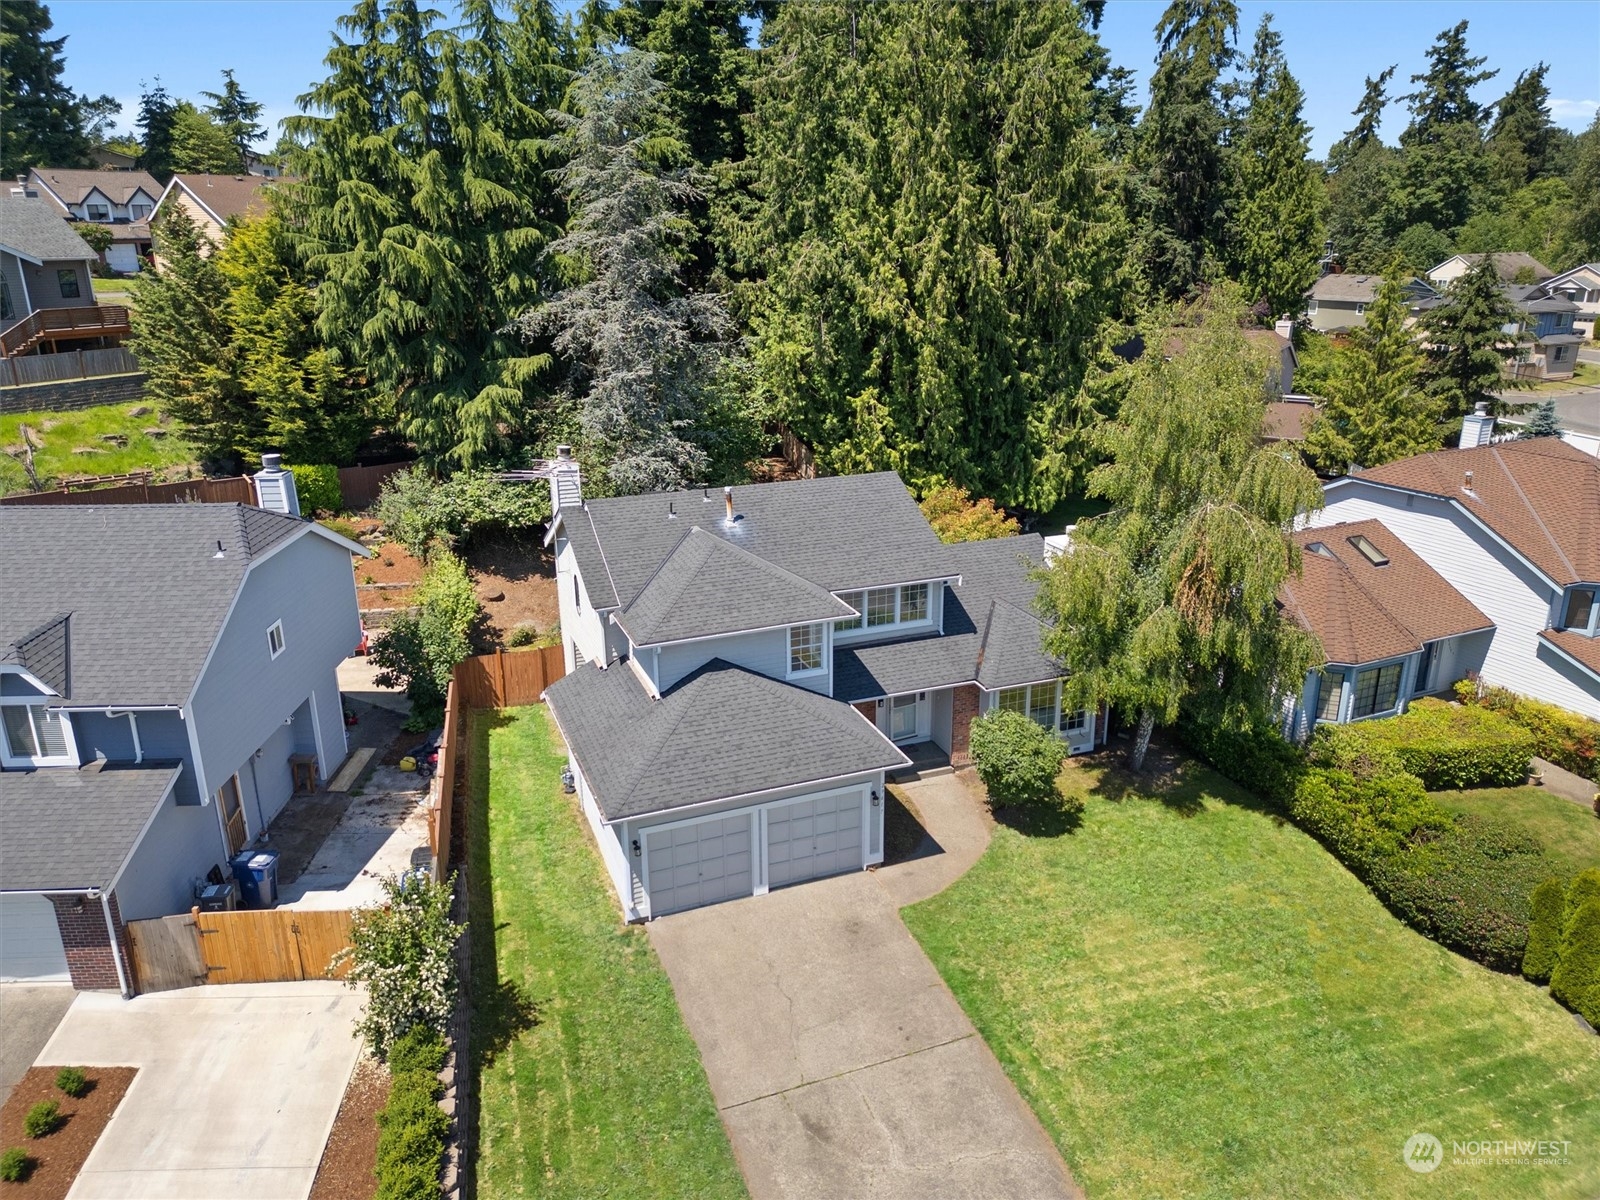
820	629
864	630
69	759
276	627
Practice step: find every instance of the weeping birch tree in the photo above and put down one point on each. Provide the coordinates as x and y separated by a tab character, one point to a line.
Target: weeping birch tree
1172	595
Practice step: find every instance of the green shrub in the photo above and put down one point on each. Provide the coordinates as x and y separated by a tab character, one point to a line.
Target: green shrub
1449	746
419	511
420	651
1585	886
1545	923
1566	739
1575	981
418	1049
15	1165
317	487
42	1119
72	1081
1017	758
522	635
411	1137
342	527
1259	760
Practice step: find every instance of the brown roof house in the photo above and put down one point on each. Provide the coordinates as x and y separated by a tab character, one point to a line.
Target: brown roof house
123	200
213	200
1514	527
1513	266
1391	627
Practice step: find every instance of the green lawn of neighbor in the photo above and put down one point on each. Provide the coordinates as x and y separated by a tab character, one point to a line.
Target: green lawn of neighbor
113	291
589	1084
61	433
1570	832
1199	1001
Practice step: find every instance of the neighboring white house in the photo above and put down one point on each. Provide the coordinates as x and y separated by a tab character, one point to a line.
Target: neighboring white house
159	665
1510	265
745	667
123	200
1514	527
1581	285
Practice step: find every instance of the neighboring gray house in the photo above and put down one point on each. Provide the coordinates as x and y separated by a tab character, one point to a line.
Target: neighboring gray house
1581	285
43	265
159	664
746	665
1549	320
1339	301
123	200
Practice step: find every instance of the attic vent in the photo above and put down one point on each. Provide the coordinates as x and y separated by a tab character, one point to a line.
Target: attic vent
1319	548
275	486
1368	551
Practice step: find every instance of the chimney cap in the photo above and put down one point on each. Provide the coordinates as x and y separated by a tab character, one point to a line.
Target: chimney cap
1481	408
564	452
272	462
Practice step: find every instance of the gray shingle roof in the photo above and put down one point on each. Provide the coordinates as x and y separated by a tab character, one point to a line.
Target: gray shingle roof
707	585
34	227
75	829
145	593
721	732
990	636
840	533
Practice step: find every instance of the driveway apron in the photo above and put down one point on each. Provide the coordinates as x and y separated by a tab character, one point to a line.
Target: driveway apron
841	1064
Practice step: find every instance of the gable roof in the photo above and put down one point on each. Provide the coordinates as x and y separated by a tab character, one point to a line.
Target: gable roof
1575	647
31	227
76	829
1348	288
72	185
141	591
1287	420
839	533
1507	264
721	732
1363	612
1592	270
707	586
225	196
1540	494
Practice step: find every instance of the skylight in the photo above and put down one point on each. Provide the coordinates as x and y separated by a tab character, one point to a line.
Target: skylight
1319	548
1368	551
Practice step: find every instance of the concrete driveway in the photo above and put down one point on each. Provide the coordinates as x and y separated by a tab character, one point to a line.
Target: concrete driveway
840	1062
237	1088
28	1016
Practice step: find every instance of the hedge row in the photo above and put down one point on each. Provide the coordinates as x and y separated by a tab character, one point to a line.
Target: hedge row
1447	746
1564	942
1565	738
412	1127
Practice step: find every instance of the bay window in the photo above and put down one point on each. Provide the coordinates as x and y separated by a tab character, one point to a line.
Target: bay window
1377	690
1036	701
1330	690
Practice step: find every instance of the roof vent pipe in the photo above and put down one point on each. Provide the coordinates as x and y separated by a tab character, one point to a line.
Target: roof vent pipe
275	486
1467	486
727	497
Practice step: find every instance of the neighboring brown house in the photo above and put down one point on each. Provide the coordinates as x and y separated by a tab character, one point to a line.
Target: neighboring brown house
1288	419
123	200
213	200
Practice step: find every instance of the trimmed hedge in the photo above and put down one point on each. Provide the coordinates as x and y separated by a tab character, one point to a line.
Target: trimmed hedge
1448	746
1544	930
412	1127
1585	886
1575	981
1565	738
1017	758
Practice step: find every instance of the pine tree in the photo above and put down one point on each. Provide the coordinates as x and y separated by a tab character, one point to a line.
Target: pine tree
1467	347
941	241
1368	113
1585	184
1444	169
157	125
642	353
238	116
183	343
1543	422
1181	143
199	145
1276	238
1375	409
1445	97
1171	596
41	121
1361	178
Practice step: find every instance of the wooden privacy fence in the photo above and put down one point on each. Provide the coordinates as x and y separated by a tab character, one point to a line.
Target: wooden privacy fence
69	364
358	488
268	946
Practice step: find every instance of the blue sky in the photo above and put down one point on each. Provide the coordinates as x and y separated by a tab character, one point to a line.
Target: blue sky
276	47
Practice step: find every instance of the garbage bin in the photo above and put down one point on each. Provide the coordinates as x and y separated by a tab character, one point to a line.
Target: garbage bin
220	897
257	873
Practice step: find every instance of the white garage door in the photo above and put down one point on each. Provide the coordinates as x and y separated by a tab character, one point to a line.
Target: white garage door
690	865
30	943
812	838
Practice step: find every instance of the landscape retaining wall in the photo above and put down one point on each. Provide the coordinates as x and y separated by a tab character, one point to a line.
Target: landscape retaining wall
69	395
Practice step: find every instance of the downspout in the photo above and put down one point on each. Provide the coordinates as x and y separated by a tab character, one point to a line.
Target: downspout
116	946
133	726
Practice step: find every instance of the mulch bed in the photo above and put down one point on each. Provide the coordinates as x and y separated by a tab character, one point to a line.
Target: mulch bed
345	1172
58	1157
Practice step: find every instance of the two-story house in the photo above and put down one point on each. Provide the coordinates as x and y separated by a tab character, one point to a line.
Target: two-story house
1549	323
1338	302
123	200
1581	285
213	200
745	665
1511	527
159	666
46	287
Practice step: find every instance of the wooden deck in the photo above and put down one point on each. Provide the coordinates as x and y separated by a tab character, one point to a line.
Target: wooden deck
52	325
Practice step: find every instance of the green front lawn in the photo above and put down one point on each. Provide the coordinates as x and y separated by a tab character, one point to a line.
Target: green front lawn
1199	1001
589	1084
1569	832
73	443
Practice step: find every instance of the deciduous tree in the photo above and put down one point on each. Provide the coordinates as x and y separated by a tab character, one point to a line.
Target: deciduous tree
957	517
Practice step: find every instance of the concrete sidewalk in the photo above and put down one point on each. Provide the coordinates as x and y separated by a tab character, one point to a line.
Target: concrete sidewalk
238	1086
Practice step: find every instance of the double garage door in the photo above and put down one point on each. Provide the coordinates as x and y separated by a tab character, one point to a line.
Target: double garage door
30	942
702	862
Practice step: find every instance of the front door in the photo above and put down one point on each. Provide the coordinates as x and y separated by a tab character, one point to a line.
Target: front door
908	720
233	814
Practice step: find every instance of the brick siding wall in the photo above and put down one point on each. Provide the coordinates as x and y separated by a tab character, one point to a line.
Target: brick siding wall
83	933
868	709
963	708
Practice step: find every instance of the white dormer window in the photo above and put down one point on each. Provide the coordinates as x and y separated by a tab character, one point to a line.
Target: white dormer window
275	639
36	736
805	650
881	609
139	211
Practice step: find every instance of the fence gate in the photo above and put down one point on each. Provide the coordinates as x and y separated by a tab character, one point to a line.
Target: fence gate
166	953
270	946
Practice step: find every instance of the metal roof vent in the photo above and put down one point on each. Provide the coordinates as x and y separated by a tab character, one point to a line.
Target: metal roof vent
275	486
727	497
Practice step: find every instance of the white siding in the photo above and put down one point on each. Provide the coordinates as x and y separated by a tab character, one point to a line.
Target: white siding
609	839
1507	592
582	631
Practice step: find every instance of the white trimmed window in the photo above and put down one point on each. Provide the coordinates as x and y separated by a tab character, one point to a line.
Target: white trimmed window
855	600
805	649
881	608
1075	722
913	602
275	639
1037	701
1013	699
36	736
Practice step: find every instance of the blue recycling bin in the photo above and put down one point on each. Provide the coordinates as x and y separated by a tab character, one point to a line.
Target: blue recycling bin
257	873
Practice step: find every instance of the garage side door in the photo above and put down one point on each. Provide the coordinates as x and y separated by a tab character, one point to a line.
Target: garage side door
690	865
812	838
30	943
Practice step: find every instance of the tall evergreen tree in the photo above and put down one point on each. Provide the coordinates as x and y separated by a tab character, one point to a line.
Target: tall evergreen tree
238	116
1170	598
940	240
157	125
1375	408
1276	237
1444	169
643	354
41	121
1368	113
1445	97
1585	184
1181	143
1467	347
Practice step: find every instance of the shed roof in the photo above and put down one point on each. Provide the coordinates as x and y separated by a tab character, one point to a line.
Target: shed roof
70	829
32	227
